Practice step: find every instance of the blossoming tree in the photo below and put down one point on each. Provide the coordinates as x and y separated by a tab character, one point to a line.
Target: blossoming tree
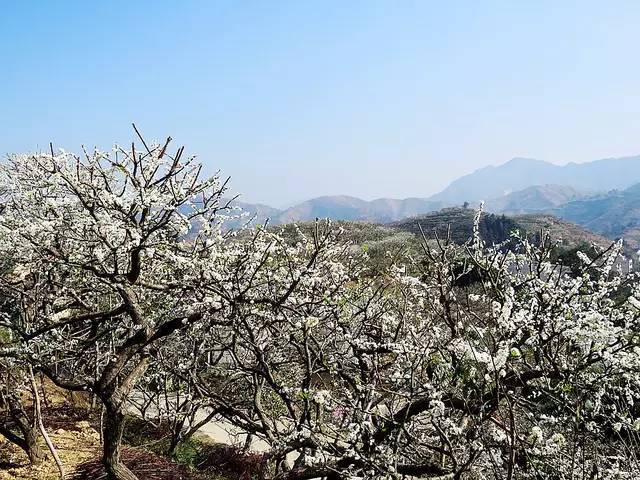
527	371
461	362
101	248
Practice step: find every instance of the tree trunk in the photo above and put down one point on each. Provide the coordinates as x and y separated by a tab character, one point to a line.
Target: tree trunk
173	444
29	444
34	451
112	430
28	429
114	399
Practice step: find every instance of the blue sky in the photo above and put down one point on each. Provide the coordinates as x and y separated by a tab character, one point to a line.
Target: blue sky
299	99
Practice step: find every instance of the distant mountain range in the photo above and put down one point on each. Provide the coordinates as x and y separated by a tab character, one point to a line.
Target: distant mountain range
342	207
603	196
614	214
382	210
533	199
520	173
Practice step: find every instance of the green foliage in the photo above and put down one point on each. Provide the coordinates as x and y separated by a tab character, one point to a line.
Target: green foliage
5	335
569	256
187	453
456	224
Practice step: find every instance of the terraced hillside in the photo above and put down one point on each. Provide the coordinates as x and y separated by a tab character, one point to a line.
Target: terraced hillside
458	223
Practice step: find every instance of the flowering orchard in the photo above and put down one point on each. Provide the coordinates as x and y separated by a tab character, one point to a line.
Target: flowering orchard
456	362
349	372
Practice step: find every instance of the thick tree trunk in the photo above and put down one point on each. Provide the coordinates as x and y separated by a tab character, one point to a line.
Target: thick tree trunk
112	430
114	394
28	443
27	438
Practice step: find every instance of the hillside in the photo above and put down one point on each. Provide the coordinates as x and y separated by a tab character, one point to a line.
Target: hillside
73	425
570	234
520	173
529	210
533	199
614	215
497	228
458	223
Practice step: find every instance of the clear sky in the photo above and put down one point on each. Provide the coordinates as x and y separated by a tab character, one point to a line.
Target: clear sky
299	99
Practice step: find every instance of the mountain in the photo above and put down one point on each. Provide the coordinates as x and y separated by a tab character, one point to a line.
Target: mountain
458	223
257	210
520	186
520	173
350	208
533	199
244	212
339	207
614	214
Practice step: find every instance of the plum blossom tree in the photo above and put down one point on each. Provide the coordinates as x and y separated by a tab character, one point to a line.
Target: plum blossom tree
528	372
460	362
102	247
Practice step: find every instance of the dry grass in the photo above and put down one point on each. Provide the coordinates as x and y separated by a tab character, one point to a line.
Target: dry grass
74	429
76	444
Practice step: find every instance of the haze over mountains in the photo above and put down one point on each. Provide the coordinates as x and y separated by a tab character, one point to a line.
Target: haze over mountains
614	215
519	173
603	196
342	207
533	199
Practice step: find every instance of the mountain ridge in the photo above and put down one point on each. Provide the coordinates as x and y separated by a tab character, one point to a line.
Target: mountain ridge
341	207
520	172
603	195
532	199
615	214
